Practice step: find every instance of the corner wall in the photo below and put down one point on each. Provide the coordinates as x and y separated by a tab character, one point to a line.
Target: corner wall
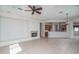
17	30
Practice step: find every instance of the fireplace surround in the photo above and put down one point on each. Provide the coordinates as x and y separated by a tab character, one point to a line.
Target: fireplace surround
34	34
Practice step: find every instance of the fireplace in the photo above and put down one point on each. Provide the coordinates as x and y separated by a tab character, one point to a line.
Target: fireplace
34	33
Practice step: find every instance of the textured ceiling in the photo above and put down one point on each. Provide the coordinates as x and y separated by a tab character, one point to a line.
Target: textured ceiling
59	11
49	12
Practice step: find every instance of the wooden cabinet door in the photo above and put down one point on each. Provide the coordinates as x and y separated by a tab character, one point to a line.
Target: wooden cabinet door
46	34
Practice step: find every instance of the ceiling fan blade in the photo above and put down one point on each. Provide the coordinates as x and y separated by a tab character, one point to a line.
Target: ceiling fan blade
38	12
27	10
33	7
39	8
32	12
20	8
30	6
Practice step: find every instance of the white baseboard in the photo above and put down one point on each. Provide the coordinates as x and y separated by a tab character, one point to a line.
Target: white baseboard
6	43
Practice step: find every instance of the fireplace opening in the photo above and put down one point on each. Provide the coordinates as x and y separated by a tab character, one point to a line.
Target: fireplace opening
34	33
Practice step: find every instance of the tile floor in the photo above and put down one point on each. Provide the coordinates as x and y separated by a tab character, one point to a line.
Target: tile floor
45	46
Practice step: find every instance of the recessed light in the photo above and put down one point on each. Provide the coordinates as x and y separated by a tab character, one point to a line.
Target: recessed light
61	12
9	12
20	8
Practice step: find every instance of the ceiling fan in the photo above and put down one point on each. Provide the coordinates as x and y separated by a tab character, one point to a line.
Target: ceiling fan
33	9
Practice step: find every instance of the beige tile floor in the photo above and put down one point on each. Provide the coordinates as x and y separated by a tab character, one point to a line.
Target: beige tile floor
46	46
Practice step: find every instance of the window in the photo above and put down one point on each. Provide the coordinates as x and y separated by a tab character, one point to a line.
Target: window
76	28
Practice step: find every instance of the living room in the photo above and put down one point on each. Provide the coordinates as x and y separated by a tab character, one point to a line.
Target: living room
39	29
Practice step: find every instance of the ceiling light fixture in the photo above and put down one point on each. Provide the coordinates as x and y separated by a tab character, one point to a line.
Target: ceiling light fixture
61	12
67	17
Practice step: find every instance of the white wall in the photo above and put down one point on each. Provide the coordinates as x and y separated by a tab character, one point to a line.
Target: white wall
0	30
34	25
13	29
17	30
43	30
